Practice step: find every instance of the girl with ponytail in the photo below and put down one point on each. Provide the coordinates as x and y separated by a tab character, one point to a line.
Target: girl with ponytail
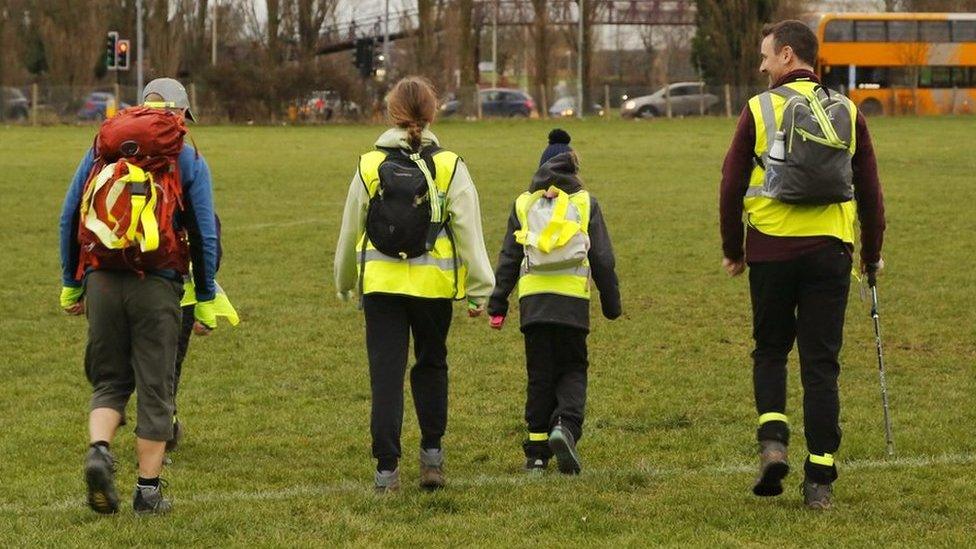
411	243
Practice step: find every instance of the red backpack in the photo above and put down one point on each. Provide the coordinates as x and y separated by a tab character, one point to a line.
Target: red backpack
133	194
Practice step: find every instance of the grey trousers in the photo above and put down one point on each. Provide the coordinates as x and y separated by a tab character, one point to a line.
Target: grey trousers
133	329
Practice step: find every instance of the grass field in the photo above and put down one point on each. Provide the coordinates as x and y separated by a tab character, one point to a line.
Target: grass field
277	447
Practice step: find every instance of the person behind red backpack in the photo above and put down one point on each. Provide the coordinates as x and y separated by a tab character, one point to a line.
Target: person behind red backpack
138	209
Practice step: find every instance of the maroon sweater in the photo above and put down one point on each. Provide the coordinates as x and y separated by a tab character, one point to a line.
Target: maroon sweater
760	247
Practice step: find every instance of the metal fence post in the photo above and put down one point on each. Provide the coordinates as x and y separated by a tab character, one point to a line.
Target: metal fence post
728	101
34	97
606	101
667	99
701	99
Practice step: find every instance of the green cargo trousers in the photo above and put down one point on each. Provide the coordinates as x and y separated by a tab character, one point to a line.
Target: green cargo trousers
133	329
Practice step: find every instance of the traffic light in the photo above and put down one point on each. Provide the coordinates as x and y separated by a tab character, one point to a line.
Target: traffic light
122	56
111	42
365	60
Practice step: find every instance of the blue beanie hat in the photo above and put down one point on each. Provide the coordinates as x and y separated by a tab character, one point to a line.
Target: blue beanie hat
558	144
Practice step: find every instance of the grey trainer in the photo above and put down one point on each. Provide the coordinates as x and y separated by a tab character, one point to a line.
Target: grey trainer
386	481
563	445
432	469
100	478
149	500
817	496
773	467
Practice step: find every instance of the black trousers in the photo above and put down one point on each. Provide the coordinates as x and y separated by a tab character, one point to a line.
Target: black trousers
390	320
556	363
804	300
186	330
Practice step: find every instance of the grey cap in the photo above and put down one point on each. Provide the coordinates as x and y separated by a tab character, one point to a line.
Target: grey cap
172	92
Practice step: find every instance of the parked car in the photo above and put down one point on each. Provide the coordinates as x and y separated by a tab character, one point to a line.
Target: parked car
95	104
566	106
497	102
686	99
14	104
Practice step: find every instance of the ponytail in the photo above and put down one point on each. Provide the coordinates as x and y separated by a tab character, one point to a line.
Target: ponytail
412	105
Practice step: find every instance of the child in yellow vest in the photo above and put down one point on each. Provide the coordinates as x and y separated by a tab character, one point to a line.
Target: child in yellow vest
554	299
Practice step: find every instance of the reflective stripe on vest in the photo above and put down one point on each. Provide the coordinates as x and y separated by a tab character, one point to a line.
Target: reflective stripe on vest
436	274
775	218
573	282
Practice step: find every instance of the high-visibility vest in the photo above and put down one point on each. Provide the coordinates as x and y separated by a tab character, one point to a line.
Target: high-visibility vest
438	273
772	217
573	281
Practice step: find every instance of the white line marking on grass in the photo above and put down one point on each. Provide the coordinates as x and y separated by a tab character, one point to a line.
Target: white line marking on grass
514	479
276	225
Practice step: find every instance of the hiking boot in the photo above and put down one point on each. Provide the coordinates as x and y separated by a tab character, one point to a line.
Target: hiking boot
563	445
772	468
536	466
817	496
386	481
174	443
149	500
100	477
432	469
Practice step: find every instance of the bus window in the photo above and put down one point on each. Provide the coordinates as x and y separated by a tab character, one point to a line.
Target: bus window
935	77
835	77
964	31
902	31
839	30
869	31
960	77
934	31
872	78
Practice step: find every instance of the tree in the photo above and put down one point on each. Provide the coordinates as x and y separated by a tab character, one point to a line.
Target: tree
726	45
73	38
165	36
467	62
540	39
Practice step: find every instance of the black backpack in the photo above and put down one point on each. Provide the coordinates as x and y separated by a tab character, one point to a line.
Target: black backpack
406	213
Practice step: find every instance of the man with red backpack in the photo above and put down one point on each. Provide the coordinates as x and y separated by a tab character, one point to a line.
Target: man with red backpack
138	210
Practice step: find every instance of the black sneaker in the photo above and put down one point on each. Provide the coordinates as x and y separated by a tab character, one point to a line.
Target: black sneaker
536	466
149	500
174	443
564	447
773	467
817	496
100	477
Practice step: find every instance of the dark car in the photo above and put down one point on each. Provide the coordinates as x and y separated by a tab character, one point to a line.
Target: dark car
95	104
498	102
14	103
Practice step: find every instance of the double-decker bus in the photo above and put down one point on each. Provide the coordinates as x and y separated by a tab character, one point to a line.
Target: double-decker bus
901	63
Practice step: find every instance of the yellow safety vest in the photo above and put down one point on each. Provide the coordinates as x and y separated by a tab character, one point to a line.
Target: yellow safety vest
572	282
436	274
772	217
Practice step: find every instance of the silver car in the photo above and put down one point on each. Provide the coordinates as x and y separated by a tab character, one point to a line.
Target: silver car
686	99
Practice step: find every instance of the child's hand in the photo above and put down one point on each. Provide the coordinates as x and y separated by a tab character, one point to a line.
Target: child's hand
496	322
475	308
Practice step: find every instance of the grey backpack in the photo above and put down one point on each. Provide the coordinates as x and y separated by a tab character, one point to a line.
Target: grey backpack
808	159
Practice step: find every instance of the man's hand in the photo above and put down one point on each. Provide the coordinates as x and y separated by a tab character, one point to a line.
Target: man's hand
733	267
72	300
496	322
873	267
475	308
205	316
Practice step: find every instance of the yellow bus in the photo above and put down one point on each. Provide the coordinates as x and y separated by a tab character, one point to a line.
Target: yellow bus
901	63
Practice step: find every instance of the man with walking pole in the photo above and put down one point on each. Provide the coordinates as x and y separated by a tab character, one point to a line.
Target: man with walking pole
799	183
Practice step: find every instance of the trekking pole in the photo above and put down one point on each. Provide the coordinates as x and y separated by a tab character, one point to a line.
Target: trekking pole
872	273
